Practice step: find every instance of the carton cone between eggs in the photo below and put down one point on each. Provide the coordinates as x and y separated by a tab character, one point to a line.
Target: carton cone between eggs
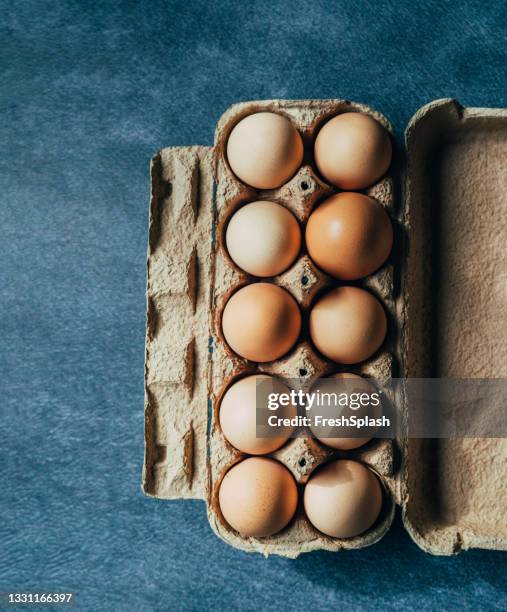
189	365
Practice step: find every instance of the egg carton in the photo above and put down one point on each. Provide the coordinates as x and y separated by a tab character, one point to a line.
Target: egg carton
189	365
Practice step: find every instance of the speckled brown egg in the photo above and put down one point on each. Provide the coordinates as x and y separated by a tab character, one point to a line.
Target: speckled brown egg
343	498
261	322
352	151
258	497
264	150
238	414
349	235
348	324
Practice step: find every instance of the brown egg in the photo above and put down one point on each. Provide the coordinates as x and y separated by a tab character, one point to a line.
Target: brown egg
343	499
353	384
261	322
348	324
264	150
258	497
238	414
263	238
352	151
349	235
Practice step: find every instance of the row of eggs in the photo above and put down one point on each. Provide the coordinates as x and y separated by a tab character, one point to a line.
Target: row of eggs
261	322
258	497
348	236
351	151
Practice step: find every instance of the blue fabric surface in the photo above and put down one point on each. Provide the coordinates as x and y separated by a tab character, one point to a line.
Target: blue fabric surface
90	90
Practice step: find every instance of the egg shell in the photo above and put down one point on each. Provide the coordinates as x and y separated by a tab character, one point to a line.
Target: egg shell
348	324
238	414
349	236
263	238
352	151
261	322
343	498
360	385
258	497
264	150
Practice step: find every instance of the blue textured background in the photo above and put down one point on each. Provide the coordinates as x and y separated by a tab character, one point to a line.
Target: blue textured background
90	90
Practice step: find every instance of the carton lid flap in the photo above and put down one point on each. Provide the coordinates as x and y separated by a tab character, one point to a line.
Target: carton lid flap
178	311
455	490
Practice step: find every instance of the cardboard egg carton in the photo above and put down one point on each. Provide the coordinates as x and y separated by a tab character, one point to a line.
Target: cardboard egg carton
189	365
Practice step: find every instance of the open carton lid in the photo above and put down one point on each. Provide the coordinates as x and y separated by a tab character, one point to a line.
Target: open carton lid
452	492
455	211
